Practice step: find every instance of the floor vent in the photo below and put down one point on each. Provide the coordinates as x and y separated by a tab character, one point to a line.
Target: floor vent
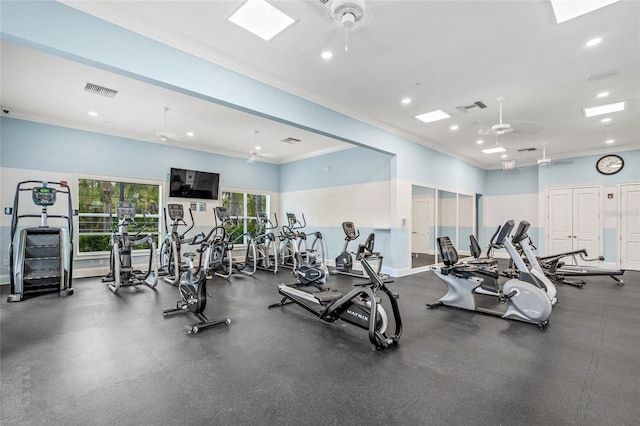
472	105
290	140
99	90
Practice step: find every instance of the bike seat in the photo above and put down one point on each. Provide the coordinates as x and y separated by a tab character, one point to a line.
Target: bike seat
189	255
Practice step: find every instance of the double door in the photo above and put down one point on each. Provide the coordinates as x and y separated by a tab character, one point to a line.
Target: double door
574	220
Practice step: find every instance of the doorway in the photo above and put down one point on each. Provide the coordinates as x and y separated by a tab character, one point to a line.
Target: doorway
574	220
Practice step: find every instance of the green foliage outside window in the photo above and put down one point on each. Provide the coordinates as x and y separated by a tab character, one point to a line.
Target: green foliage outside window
243	209
97	218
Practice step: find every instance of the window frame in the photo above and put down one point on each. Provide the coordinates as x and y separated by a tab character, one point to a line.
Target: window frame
76	199
245	218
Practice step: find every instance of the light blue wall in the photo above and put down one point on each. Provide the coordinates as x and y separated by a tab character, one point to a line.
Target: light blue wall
567	172
36	146
523	180
347	167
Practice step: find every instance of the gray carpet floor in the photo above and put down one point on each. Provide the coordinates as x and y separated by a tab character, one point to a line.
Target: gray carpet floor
96	358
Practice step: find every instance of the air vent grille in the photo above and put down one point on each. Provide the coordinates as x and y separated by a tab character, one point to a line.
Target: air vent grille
290	140
472	105
99	90
527	149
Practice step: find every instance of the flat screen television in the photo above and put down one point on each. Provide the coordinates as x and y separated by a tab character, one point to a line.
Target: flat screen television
185	183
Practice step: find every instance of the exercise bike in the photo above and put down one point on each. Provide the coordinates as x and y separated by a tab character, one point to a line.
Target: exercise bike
470	287
170	263
121	271
193	286
344	261
361	307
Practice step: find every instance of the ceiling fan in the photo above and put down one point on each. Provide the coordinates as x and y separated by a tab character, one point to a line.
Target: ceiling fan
254	154
164	136
501	128
347	14
544	161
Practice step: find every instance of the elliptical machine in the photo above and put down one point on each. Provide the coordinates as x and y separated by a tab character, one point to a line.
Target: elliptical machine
525	297
344	261
41	258
229	264
121	272
317	246
170	263
266	246
193	286
361	307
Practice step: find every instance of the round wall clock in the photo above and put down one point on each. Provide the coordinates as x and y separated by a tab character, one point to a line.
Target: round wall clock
610	164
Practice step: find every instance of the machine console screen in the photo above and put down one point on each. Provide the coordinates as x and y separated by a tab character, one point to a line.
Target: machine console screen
43	196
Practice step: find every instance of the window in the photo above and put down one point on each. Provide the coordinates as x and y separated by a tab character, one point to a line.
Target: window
243	209
96	204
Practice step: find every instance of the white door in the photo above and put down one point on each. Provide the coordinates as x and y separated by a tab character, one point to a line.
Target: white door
629	226
574	221
420	225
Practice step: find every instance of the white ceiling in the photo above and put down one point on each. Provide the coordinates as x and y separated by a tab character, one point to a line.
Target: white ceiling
441	54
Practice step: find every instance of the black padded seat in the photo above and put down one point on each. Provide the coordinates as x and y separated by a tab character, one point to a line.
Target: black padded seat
327	296
476	252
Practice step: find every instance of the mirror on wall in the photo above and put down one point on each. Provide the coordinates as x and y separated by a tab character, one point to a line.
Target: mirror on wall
437	213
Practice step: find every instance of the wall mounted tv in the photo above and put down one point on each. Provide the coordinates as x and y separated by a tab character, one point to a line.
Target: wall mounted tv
185	183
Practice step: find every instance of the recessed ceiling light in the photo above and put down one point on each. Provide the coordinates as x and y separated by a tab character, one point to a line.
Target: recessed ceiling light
606	120
604	109
602	94
493	150
454	127
436	115
260	18
93	113
610	141
327	55
191	134
504	156
258	148
479	141
593	42
406	101
565	10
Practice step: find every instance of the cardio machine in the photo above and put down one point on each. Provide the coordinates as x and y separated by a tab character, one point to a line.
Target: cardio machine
557	268
361	307
193	285
344	261
41	258
477	289
266	243
223	253
317	247
121	271
170	263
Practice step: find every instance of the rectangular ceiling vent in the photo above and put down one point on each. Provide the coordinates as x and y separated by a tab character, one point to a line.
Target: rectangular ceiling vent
99	90
527	149
321	7
290	140
472	105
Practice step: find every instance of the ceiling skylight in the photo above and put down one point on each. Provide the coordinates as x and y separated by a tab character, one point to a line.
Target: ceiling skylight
261	19
436	115
494	150
604	109
565	10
